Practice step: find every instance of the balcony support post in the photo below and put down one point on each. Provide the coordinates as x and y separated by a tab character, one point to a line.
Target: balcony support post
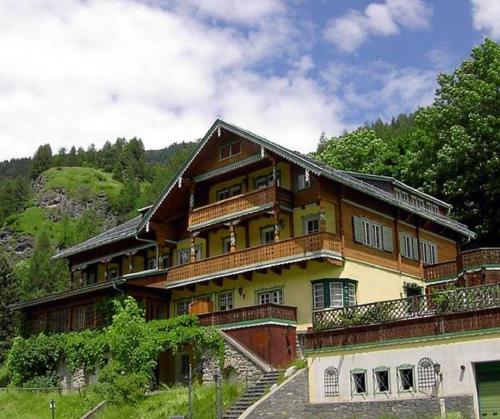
193	249
72	280
191	196
276	223
232	238
340	215
419	249
396	230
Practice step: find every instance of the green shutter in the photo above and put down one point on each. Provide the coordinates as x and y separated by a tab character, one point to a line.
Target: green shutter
387	238
326	292
416	250
359	232
488	388
402	245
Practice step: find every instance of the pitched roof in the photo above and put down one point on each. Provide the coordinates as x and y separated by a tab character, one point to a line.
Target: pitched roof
314	166
120	232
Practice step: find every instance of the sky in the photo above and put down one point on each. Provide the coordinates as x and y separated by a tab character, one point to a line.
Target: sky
77	72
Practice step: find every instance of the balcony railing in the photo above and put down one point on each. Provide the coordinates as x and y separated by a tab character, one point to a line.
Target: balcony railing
466	260
221	210
457	301
258	255
260	312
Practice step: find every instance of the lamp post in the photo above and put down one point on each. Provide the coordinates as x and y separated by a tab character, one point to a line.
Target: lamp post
52	407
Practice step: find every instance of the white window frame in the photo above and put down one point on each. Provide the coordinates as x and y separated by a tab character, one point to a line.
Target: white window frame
274	296
353	382
334	302
309	219
226	244
400	381
181	303
302	183
266	230
151	263
376	382
183	253
407	246
231	154
225	300
318	296
429	252
351	293
229	192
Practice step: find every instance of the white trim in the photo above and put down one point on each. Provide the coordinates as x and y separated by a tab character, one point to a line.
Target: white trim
347	201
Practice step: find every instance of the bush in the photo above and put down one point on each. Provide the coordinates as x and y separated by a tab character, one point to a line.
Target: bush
4	375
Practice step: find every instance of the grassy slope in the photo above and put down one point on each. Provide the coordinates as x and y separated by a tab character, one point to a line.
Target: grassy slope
27	405
79	183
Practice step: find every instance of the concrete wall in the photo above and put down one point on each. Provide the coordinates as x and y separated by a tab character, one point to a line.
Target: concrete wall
452	354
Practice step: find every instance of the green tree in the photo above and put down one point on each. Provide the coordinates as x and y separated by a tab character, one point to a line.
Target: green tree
42	160
8	295
457	155
14	194
360	151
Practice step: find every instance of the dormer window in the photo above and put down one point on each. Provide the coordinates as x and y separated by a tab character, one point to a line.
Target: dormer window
230	150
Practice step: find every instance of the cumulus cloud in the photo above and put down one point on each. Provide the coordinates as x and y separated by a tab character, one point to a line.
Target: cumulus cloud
349	31
486	17
78	72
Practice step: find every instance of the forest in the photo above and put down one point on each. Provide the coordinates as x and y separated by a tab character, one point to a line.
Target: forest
450	149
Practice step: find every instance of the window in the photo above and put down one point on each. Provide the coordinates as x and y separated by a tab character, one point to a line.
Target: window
406	378
229	192
358	382
429	252
318	296
151	264
426	375
408	246
225	301
333	293
311	224
372	234
266	180
302	183
381	380
336	294
182	307
83	317
226	244
267	235
421	202
112	274
183	256
413	201
271	297
331	382
230	150
57	321
89	277
165	261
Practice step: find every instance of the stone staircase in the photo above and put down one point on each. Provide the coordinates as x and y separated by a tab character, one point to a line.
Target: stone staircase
252	394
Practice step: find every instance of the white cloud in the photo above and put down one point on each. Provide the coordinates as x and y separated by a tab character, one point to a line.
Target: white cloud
78	72
350	31
381	90
486	17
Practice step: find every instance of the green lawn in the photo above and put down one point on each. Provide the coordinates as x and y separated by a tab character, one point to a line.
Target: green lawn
29	405
173	401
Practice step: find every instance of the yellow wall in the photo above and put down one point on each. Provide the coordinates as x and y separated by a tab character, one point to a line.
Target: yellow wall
256	224
186	244
215	239
222	185
374	284
299	213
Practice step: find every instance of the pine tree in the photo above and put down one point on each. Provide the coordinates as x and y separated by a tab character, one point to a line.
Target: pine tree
8	295
42	160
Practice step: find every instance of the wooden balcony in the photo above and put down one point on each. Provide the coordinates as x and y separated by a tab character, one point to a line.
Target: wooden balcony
263	198
257	257
470	259
244	314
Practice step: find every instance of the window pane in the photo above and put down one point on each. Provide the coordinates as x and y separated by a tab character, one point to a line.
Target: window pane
336	295
224	152
406	378
382	380
351	289
235	148
318	296
226	301
359	382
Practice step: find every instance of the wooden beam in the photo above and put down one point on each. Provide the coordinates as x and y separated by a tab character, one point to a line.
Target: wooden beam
302	264
276	270
191	287
247	276
218	281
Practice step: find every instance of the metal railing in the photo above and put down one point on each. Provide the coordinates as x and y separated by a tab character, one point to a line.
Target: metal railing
456	301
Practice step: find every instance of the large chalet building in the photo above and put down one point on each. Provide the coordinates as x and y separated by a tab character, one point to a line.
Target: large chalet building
268	244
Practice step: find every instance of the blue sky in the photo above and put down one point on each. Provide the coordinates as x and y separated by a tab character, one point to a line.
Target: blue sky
82	72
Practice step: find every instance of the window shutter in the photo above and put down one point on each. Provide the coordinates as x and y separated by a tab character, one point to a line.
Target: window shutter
359	232
436	253
402	248
387	238
415	248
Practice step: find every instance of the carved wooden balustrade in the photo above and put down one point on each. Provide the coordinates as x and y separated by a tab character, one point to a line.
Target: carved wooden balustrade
270	196
457	301
468	259
258	255
260	312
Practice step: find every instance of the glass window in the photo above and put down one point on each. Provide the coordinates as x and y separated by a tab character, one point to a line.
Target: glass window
359	382
336	294
318	296
229	192
165	261
226	244
381	378
429	252
351	293
112	273
225	301
183	256
151	263
311	224
271	297
267	235
406	379
331	381
229	150
376	237
266	180
182	307
83	317
302	183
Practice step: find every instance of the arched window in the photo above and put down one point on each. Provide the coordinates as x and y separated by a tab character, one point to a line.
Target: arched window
426	374
331	382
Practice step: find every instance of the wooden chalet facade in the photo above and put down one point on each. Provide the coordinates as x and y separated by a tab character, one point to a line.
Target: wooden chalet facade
258	240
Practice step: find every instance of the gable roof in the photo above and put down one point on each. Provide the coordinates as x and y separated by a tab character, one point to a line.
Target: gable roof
120	232
312	165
